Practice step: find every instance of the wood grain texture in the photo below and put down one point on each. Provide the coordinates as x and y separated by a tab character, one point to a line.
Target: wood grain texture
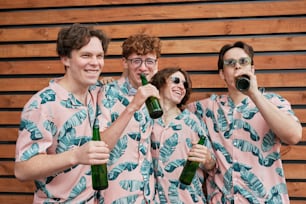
192	33
153	12
170	29
182	46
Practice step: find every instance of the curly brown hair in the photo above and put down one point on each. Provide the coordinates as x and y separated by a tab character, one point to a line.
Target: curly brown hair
160	79
141	44
76	36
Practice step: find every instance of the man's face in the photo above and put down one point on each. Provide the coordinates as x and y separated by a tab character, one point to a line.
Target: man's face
85	65
138	64
235	60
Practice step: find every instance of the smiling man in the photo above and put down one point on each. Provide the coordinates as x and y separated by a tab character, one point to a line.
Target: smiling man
54	146
127	126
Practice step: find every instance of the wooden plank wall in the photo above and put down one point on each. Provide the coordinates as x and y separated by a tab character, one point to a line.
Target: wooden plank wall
192	32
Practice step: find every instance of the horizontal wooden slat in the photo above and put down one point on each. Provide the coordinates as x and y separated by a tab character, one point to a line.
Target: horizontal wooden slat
296	189
14	101
8	134
183	46
14	185
9	117
295	171
199	81
16	199
154	12
18	101
301	201
7	151
169	29
193	63
7	168
292	152
7	4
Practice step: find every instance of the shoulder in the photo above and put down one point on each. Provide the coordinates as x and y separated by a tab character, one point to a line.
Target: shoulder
275	98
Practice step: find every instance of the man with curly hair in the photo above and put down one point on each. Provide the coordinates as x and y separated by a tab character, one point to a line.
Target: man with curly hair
126	124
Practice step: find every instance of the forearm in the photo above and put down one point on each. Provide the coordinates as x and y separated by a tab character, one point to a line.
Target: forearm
44	165
111	135
282	124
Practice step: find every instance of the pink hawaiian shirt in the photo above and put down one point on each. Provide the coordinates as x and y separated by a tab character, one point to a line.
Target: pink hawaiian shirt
130	168
248	152
52	122
170	147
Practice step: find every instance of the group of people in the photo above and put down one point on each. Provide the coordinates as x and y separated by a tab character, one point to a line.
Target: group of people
243	130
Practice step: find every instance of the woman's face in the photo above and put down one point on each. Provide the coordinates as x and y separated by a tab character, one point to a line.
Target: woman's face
174	89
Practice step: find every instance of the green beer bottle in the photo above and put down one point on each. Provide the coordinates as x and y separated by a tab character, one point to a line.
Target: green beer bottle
152	102
190	168
98	172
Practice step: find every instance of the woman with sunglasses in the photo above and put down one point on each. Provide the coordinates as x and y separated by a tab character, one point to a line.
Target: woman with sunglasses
247	127
174	139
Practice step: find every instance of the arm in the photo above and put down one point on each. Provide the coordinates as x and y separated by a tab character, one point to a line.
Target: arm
44	165
111	134
282	124
286	128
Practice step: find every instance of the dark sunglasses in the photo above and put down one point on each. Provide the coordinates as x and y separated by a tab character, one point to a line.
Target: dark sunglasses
177	80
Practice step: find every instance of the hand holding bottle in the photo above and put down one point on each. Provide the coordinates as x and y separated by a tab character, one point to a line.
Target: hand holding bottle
152	102
198	154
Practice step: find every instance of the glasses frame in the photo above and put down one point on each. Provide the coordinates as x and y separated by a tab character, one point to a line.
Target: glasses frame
177	80
145	61
243	61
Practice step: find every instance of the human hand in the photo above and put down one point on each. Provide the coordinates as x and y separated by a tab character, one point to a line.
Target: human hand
253	86
106	80
144	92
92	153
201	154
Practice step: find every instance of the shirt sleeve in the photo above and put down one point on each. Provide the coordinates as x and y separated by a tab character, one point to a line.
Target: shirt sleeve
35	134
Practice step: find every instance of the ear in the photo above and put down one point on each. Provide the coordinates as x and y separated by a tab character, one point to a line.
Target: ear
125	67
253	69
65	60
221	74
124	63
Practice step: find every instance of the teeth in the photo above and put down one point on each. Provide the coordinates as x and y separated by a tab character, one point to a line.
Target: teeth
91	71
178	92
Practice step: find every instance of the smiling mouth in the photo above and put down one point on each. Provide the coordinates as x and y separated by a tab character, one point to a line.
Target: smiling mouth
91	71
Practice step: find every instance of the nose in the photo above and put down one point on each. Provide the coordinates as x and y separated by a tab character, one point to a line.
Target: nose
94	60
237	65
142	66
181	85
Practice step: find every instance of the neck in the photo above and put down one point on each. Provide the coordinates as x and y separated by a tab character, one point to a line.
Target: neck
79	92
170	111
237	96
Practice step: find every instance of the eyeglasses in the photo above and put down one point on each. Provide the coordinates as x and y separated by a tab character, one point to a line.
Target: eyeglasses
177	80
243	61
137	62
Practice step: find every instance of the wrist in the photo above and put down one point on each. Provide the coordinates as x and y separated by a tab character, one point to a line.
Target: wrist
209	163
74	157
